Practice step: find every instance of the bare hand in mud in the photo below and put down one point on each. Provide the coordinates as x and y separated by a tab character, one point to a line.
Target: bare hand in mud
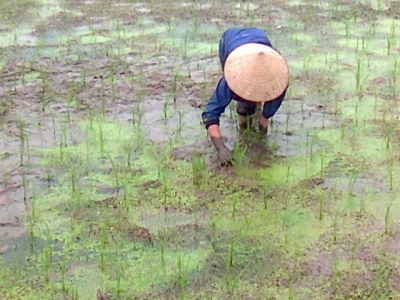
225	156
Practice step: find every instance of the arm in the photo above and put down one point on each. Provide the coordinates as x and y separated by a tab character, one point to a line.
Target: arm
213	131
219	100
217	104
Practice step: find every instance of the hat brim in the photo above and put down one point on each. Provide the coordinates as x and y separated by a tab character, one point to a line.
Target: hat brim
256	72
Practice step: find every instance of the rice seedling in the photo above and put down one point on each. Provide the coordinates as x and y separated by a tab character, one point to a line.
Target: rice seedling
388	212
336	217
115	171
394	74
198	168
265	198
182	275
63	270
229	259
238	155
313	141
22	138
234	204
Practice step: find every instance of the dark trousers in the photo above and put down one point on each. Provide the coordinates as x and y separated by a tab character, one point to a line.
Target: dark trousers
245	108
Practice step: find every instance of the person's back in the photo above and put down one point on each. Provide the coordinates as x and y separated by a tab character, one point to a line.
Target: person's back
234	37
253	73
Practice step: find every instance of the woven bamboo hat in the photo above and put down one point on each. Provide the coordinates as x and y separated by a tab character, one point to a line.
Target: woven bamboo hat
256	72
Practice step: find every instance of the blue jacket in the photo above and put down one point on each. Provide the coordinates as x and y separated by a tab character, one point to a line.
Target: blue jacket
222	95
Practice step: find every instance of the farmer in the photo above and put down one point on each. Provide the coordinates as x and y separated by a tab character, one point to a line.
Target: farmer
254	73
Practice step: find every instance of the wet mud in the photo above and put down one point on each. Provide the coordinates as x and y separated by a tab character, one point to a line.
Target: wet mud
42	125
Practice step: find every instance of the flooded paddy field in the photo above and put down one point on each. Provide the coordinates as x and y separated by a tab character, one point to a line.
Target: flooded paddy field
110	187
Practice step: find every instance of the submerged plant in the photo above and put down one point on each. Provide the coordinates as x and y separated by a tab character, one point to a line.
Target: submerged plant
22	138
320	198
358	73
164	178
100	126
174	89
183	272
387	214
45	261
311	144
180	123
198	168
165	108
394	74
234	204
265	198
238	154
115	171
25	187
336	216
229	259
45	88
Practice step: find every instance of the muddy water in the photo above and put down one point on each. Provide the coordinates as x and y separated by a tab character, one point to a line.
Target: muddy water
23	177
161	120
292	126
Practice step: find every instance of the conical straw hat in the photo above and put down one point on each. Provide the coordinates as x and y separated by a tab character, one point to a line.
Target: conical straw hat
256	72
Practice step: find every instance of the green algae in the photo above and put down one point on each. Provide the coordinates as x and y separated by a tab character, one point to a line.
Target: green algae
343	29
345	142
33	12
200	48
18	12
49	214
91	167
375	46
31	76
85	281
289	172
122	50
363	109
93	39
303	37
107	138
378	5
295	2
381	28
13	38
83	37
388	26
270	225
129	34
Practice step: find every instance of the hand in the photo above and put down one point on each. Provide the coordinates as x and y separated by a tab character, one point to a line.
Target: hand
224	156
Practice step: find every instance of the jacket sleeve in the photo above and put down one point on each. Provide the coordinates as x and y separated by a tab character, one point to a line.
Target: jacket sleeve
220	99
